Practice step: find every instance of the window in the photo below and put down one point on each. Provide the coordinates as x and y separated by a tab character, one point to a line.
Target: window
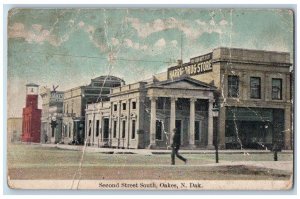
197	130
123	128
115	107
53	129
124	106
255	87
133	105
233	86
276	89
158	132
133	129
69	130
115	129
67	108
90	128
97	128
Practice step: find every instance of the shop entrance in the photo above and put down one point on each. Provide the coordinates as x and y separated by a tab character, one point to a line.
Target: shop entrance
254	128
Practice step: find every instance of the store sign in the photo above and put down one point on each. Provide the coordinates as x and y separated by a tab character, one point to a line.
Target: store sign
198	65
57	97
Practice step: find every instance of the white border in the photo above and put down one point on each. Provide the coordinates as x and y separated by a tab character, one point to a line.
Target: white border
142	3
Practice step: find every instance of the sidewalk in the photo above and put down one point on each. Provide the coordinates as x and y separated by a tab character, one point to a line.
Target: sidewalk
156	151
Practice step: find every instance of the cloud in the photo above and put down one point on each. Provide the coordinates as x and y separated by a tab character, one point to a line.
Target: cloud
202	23
135	45
114	41
81	24
223	22
35	34
128	43
161	43
212	22
144	29
174	43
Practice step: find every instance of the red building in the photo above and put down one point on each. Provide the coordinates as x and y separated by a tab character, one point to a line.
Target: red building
31	127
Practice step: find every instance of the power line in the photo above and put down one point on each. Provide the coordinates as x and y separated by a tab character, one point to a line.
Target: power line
95	57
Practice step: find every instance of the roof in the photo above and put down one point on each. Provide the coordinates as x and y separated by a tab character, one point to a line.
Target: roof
184	78
107	77
32	84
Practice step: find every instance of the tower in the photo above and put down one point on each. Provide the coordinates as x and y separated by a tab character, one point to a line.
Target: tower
31	127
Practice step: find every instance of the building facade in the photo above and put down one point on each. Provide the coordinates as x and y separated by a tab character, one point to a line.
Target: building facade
51	120
14	129
31	125
75	101
144	114
251	88
254	94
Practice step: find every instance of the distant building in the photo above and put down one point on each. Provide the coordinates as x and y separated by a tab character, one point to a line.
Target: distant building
51	120
75	101
252	89
31	127
14	129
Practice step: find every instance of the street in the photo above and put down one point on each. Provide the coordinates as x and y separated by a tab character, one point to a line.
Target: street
40	162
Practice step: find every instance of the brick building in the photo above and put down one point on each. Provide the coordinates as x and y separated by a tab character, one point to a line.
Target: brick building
31	127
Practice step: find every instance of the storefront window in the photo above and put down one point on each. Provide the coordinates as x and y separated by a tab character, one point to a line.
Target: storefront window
255	87
233	86
276	89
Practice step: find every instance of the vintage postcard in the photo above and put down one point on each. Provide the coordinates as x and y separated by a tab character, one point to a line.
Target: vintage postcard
150	98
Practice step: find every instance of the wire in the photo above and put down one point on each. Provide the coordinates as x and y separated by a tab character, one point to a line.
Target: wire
95	57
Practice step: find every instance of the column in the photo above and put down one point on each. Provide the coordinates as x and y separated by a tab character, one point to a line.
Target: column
128	123
172	115
210	125
119	123
192	122
153	121
93	128
139	123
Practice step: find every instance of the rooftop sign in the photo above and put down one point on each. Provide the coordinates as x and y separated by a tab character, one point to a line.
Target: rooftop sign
196	66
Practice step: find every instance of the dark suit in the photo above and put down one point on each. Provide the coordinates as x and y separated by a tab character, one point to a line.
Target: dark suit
175	147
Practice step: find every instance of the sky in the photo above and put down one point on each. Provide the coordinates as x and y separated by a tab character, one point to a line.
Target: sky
69	47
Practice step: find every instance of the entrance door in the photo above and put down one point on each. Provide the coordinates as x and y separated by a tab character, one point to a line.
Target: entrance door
178	126
106	128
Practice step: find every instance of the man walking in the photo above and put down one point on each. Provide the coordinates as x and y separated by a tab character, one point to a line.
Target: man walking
175	147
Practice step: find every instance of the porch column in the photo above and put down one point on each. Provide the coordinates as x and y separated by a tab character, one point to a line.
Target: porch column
128	122
192	122
210	125
172	115
153	121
